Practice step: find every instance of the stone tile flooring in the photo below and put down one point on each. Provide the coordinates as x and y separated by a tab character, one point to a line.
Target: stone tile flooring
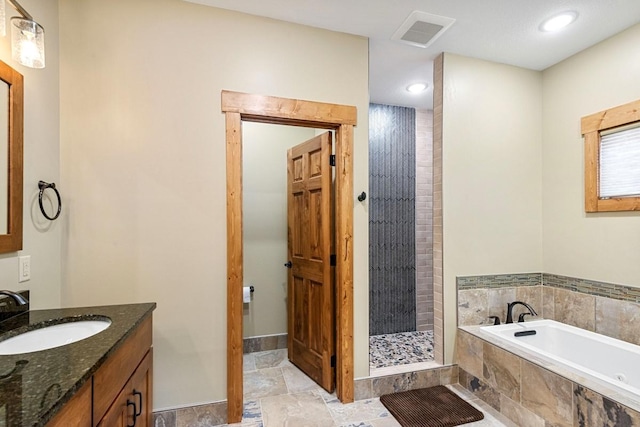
278	394
400	349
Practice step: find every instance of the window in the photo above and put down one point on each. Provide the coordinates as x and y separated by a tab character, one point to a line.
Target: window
612	159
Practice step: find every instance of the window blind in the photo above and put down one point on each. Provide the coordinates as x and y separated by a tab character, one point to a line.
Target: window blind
620	163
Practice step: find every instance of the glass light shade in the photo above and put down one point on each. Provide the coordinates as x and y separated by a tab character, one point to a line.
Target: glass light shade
27	42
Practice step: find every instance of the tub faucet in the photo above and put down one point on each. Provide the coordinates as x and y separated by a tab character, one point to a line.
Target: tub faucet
513	304
19	299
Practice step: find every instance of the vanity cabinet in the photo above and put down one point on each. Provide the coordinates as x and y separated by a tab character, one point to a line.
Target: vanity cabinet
120	391
132	407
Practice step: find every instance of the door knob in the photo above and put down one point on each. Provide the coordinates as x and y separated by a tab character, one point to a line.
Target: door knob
288	264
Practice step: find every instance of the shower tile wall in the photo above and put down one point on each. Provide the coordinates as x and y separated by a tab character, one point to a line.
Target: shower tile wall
424	220
392	268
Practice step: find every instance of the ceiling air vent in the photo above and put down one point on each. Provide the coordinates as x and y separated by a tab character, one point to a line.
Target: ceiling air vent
421	28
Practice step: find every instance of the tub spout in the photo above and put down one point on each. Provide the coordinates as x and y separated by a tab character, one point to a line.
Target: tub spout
513	304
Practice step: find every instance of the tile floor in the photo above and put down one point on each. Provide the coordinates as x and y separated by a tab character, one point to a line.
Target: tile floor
277	394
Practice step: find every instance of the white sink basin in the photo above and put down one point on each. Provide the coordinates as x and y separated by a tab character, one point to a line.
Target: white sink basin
52	336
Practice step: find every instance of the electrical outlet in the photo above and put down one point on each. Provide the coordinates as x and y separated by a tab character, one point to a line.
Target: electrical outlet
24	273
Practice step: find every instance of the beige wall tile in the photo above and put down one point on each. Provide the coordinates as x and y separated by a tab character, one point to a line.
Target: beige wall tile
501	370
473	307
468	353
519	414
548	302
575	309
449	375
498	300
618	319
593	409
532	295
211	414
362	389
404	382
480	389
547	394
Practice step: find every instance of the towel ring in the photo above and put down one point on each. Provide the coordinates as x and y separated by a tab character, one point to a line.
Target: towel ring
43	186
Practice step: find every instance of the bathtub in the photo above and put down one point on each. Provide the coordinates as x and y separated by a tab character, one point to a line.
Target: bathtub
610	360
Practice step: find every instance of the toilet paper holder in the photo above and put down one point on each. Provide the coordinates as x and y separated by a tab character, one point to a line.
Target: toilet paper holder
251	289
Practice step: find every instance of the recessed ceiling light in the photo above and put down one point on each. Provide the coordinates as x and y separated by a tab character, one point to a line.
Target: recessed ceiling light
417	87
559	21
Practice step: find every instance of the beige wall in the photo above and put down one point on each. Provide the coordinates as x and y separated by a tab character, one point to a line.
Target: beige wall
603	246
264	191
41	162
143	163
491	174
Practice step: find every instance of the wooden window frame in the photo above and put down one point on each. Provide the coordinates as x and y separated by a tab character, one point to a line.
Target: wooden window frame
592	127
239	107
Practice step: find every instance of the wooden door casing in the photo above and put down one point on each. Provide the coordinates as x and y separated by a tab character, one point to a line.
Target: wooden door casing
310	293
238	107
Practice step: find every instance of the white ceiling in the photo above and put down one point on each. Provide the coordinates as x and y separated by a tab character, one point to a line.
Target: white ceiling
504	31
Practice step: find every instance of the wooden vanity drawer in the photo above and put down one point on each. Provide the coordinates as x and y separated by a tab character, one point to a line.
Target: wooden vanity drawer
76	412
109	380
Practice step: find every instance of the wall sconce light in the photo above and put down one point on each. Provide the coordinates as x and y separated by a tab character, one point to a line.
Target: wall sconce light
27	36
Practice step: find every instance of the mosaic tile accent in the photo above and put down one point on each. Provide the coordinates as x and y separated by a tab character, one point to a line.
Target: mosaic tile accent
584	286
498	281
592	287
400	349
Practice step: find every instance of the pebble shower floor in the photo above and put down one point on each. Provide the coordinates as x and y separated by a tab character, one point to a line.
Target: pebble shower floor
400	349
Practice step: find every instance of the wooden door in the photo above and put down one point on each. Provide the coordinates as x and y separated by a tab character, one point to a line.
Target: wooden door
310	295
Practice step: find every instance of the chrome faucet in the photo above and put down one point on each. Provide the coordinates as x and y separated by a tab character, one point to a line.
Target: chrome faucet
19	299
510	310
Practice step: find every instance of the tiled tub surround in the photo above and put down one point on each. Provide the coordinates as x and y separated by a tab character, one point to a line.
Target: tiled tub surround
557	396
531	390
605	308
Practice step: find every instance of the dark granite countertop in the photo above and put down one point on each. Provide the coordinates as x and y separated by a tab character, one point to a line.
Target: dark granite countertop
34	386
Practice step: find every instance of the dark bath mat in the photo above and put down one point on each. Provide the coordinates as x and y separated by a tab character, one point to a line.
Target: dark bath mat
430	407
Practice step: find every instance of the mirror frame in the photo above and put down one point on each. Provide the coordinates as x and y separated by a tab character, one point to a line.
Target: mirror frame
12	241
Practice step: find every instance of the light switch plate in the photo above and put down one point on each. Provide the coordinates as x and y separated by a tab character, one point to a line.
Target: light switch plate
24	272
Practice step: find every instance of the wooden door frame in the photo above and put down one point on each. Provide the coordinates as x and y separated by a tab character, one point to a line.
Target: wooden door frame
239	107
